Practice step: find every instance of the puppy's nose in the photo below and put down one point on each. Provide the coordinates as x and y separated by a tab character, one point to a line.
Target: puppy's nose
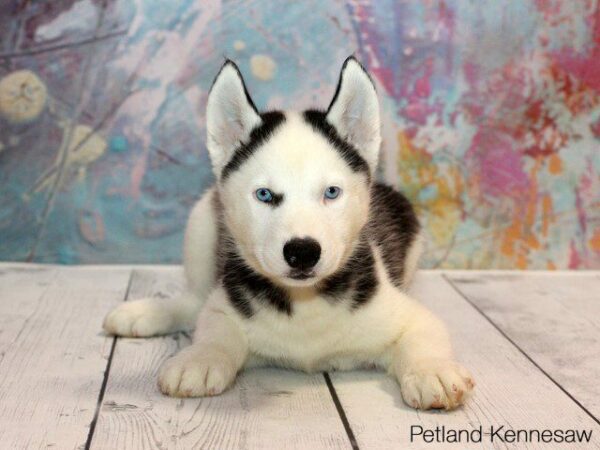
302	254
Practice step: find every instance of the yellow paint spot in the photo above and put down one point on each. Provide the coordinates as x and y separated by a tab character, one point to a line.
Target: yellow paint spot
238	45
23	96
263	67
85	146
519	239
522	261
532	242
555	164
511	235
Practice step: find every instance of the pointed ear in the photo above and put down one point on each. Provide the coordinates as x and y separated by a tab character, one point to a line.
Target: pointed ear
230	116
354	111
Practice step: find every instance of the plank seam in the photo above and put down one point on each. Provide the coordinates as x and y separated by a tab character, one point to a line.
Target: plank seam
88	442
480	311
341	413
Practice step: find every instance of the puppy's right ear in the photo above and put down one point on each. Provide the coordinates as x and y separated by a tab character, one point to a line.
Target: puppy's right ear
230	116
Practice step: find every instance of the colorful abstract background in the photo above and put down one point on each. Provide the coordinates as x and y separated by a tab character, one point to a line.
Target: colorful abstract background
491	118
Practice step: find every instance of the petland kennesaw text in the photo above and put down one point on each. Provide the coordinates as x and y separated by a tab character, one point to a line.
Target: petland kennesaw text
497	434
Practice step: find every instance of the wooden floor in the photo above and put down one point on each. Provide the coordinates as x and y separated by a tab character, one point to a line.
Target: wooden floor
531	340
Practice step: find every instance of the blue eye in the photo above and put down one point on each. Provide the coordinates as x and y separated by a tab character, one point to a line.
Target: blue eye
332	192
264	195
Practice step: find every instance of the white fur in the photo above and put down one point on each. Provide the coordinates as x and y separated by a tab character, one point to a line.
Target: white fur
391	331
355	112
229	116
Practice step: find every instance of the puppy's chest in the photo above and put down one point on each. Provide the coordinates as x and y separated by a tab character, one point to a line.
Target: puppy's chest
316	332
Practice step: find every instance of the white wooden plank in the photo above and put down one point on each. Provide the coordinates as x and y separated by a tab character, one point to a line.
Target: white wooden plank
566	284
53	354
266	408
554	319
510	390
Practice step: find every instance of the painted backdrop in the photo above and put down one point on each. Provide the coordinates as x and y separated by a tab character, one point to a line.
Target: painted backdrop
491	113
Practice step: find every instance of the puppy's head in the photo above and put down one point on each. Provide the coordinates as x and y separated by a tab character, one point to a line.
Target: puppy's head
294	186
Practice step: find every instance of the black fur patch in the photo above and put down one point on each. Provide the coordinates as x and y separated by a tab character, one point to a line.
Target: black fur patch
393	226
271	120
317	119
357	280
221	247
232	282
244	285
277	200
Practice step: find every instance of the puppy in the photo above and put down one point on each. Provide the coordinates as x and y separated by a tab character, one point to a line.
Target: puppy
297	257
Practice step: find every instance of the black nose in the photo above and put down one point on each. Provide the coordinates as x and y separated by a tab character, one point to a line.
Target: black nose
302	254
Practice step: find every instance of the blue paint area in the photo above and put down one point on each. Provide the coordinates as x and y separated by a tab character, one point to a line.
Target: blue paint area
118	144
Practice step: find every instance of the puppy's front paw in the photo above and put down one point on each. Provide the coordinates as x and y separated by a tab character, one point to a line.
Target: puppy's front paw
139	318
435	383
196	374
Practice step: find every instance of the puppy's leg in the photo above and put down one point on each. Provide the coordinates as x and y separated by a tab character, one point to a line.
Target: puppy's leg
153	316
149	316
424	365
210	364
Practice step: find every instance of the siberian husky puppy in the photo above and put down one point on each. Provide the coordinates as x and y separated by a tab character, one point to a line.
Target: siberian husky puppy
297	257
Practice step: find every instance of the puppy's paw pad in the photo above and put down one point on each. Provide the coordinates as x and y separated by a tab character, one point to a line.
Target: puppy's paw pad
436	383
140	318
196	375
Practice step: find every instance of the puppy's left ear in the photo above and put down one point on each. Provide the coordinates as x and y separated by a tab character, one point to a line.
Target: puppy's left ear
354	111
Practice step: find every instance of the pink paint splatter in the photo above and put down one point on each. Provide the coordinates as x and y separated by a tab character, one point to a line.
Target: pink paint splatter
549	9
417	93
575	260
584	67
498	164
422	86
386	77
471	72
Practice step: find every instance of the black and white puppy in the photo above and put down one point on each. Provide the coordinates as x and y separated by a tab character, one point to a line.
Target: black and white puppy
296	257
